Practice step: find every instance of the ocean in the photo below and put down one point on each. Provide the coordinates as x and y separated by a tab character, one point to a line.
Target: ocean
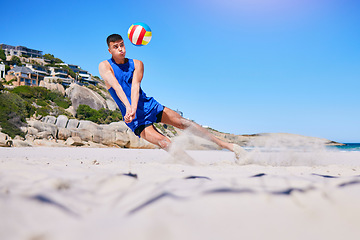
347	147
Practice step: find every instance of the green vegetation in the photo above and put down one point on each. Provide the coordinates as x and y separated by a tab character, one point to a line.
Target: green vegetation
33	94
70	71
11	81
15	61
7	68
53	59
162	128
102	116
2	55
13	111
24	102
18	104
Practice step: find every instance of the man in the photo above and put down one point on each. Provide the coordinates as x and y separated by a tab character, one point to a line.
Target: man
122	78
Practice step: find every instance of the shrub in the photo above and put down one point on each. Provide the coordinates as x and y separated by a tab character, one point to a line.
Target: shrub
13	112
41	102
40	93
2	55
102	116
44	98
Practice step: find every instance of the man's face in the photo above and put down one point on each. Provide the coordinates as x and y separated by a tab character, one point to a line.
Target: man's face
117	49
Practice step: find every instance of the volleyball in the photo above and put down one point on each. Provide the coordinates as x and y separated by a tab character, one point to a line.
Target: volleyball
139	34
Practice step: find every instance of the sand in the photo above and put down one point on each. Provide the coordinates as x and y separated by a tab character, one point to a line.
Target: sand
110	193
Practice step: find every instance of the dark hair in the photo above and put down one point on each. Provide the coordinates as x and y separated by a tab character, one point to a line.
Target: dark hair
113	38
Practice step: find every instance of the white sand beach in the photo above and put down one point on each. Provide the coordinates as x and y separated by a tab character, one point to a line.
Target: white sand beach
111	193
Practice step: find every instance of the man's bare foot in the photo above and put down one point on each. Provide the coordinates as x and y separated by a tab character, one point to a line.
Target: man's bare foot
240	153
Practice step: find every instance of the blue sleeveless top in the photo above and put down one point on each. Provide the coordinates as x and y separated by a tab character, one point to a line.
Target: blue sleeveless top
124	74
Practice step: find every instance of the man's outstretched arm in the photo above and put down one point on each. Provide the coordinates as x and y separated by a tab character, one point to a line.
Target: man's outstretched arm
135	88
107	74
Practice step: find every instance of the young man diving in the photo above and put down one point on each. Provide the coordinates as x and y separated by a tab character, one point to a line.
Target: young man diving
122	78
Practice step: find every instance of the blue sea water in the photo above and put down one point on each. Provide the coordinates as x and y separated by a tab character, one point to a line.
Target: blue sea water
347	147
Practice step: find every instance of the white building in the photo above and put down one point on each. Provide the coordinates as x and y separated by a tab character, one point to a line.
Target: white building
59	74
82	76
2	70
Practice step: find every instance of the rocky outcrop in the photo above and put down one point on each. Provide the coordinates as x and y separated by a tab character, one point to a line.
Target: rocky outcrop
83	95
46	83
82	133
61	131
111	104
74	141
5	140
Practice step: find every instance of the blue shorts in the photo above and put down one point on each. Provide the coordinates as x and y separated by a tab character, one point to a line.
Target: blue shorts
142	121
149	111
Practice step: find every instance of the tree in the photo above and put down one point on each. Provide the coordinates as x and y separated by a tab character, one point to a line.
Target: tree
2	55
7	68
15	61
53	59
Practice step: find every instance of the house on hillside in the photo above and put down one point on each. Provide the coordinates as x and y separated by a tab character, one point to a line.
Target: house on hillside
41	71
21	51
59	75
86	78
83	77
22	76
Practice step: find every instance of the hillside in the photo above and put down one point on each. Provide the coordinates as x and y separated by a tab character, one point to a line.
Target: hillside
87	116
25	102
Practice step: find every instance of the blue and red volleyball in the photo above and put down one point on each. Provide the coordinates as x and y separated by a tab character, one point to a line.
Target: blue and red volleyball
139	34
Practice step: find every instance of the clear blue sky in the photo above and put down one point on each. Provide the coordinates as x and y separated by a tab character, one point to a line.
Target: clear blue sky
246	66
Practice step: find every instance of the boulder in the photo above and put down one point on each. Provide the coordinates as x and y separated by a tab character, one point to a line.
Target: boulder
74	141
85	124
111	104
20	143
17	137
122	139
84	134
44	135
95	145
104	137
44	126
5	140
72	123
47	143
117	127
62	121
49	119
71	110
64	133
136	142
83	95
52	86
30	138
32	131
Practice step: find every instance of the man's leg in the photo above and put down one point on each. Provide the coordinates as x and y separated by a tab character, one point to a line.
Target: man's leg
152	135
173	118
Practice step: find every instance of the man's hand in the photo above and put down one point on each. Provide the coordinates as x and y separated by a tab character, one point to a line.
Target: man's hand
130	114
